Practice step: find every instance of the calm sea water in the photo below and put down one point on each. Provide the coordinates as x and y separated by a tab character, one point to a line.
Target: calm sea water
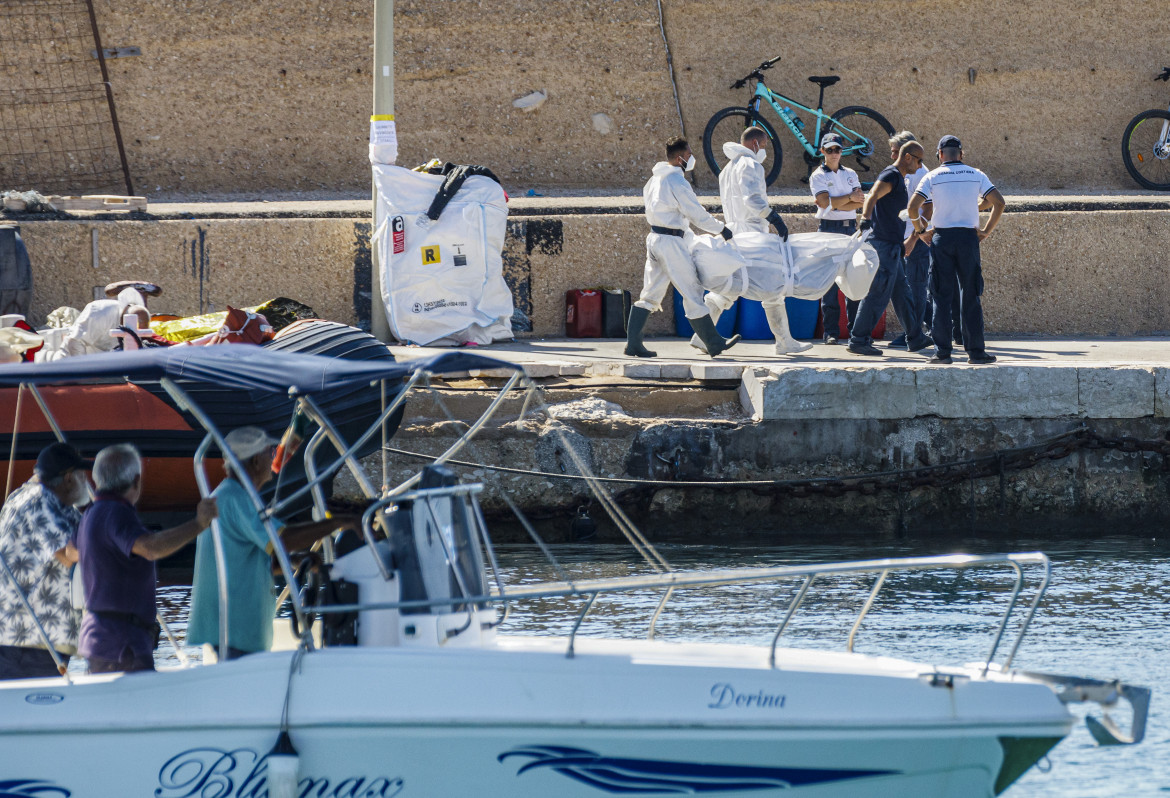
1106	614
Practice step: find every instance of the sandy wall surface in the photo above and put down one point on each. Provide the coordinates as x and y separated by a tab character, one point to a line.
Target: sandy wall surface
266	97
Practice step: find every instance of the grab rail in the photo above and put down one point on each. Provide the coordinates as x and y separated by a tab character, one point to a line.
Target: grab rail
674	580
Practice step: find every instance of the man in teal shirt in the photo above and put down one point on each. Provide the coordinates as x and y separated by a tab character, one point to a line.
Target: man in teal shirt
247	552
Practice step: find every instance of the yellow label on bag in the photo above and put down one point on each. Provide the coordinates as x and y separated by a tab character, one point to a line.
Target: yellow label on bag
431	255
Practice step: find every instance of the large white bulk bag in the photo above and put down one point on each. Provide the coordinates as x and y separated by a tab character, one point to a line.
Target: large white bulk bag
442	284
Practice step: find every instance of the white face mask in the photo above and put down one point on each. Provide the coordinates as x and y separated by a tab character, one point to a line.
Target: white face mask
690	164
760	155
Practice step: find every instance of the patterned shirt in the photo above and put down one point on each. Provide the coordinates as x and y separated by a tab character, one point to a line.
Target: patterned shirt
34	524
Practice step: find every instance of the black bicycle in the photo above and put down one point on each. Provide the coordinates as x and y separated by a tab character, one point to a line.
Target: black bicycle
1145	147
863	131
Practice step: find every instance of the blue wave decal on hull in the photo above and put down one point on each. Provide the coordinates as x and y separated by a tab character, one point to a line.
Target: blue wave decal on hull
32	788
658	776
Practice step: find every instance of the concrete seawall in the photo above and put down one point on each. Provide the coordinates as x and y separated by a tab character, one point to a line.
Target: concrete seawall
1053	440
1056	265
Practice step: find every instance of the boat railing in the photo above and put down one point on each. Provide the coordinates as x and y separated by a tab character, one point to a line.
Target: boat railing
593	588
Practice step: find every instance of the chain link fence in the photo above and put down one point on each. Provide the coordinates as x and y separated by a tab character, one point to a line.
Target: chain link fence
58	128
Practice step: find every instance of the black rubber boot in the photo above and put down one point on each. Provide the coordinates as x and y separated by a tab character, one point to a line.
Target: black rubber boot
634	329
715	343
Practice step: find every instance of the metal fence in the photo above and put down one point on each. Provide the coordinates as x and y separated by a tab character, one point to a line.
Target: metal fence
58	128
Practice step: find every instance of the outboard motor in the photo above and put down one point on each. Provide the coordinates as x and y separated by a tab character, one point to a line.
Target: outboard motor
433	554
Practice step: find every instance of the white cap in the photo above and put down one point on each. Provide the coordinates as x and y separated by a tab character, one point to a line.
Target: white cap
246	442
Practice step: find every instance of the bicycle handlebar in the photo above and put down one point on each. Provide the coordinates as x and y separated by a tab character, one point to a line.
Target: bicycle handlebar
757	73
1165	74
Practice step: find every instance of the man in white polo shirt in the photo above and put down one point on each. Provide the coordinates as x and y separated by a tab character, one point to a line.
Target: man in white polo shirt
956	191
837	193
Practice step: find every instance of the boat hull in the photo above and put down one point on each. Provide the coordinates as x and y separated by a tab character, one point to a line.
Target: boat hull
525	720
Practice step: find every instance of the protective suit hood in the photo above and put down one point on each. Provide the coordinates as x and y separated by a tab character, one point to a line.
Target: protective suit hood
734	149
663	167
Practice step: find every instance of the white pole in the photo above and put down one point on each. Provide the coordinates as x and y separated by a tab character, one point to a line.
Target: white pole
383	106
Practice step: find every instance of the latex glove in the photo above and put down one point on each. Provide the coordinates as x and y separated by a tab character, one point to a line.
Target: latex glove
726	233
424	222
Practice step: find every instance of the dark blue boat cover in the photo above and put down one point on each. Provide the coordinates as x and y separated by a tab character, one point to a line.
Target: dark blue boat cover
238	366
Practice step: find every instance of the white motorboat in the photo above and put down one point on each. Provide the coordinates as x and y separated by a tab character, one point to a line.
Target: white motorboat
408	685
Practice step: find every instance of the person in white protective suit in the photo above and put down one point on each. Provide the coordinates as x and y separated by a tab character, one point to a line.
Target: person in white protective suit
743	189
671	207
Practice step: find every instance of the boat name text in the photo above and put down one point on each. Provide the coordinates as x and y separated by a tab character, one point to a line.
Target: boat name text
725	696
243	773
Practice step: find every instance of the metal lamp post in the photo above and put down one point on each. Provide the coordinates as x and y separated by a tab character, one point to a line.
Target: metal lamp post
383	110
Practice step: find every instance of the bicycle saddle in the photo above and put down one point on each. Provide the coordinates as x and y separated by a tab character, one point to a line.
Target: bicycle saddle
824	80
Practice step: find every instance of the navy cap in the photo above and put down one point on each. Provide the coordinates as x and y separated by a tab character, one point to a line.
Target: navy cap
56	459
950	141
831	140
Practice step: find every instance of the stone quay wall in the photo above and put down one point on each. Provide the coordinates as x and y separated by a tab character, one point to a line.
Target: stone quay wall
1054	272
676	433
261	97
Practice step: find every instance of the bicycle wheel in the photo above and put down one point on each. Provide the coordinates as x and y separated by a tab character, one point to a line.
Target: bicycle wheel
727	125
1145	148
866	134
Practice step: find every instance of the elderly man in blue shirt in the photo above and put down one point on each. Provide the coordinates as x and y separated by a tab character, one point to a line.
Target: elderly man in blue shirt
247	552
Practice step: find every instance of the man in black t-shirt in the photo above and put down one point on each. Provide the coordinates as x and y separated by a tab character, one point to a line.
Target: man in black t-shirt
879	212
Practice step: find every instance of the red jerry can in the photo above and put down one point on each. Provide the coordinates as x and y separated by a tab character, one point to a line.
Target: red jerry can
583	313
879	329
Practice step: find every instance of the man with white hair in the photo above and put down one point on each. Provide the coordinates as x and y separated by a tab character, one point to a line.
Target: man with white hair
247	553
116	554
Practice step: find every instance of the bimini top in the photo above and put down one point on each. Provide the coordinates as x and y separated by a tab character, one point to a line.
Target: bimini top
238	366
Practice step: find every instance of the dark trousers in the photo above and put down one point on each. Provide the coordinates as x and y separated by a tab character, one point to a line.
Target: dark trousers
129	661
917	275
889	284
831	302
928	316
954	253
25	662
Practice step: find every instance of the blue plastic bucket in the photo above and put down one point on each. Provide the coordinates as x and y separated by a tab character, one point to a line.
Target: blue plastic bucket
802	318
682	327
752	323
803	315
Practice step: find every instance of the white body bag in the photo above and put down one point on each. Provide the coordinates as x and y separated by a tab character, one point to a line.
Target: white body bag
762	267
442	284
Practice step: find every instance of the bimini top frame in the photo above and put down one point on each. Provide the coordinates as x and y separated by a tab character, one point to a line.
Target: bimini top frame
252	368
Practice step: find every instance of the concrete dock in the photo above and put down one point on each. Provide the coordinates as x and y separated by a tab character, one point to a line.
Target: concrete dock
1061	436
782	446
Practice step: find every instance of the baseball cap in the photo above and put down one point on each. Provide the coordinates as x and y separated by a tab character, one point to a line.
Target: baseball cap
246	442
55	459
949	141
831	140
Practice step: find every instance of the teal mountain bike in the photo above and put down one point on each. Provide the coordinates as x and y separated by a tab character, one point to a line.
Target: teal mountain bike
1145	147
865	132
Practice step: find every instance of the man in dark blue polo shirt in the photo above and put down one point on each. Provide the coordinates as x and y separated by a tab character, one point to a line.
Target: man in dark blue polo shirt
879	212
116	554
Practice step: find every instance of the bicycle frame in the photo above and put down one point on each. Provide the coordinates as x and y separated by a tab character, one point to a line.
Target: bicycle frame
855	143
